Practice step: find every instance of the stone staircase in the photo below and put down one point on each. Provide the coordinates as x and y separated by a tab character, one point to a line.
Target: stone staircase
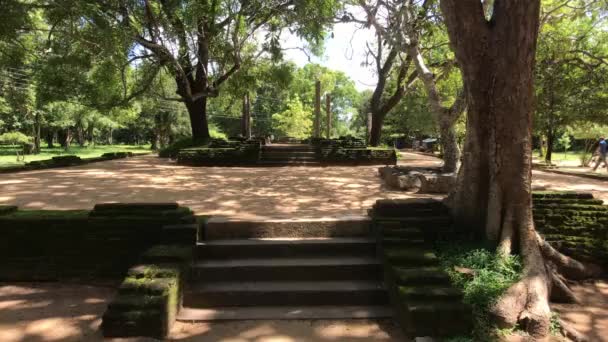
288	154
425	302
286	269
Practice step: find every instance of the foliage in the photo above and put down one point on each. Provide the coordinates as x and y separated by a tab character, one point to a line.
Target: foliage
571	69
14	138
294	122
494	274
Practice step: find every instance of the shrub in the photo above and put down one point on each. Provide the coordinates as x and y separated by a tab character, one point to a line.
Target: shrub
14	138
493	276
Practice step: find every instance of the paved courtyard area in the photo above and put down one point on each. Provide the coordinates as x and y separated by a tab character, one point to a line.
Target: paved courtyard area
247	193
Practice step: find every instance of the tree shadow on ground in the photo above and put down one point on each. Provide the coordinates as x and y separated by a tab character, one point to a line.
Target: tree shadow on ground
46	312
249	193
591	316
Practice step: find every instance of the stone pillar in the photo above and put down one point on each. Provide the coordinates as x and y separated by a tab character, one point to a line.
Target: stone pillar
369	127
317	128
328	111
246	118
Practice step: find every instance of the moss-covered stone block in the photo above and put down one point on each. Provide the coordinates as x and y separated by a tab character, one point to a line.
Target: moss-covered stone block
357	156
561	195
155	271
233	154
168	254
7	209
410	256
181	234
146	323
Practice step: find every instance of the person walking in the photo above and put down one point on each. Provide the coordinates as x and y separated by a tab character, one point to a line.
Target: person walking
603	151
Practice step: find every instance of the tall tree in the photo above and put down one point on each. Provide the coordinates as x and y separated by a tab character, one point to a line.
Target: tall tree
495	48
199	42
571	69
404	24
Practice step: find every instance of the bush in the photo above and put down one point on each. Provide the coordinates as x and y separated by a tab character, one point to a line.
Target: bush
14	138
493	276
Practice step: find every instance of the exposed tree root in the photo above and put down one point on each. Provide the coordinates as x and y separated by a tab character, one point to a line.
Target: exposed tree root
527	301
570	333
567	266
560	291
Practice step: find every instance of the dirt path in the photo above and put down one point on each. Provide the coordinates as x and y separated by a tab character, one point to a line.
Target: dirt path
47	312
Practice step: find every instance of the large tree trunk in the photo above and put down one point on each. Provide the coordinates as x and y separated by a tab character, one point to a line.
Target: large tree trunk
49	138
493	192
198	119
375	131
37	137
449	144
550	143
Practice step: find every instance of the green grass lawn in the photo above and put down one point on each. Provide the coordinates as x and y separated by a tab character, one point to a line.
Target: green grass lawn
8	157
559	156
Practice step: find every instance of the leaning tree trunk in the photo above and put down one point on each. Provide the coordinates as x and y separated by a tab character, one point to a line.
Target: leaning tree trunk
494	186
197	111
445	116
375	131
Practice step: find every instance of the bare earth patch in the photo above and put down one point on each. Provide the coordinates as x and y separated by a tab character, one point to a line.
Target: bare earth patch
45	312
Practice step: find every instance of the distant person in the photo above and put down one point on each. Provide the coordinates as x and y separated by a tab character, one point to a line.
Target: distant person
603	151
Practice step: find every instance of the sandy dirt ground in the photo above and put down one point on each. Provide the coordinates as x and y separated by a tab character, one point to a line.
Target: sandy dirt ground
248	193
54	312
591	317
69	313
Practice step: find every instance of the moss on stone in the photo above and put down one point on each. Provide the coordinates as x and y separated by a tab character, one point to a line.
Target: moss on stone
406	256
146	286
7	209
27	214
561	195
154	271
168	254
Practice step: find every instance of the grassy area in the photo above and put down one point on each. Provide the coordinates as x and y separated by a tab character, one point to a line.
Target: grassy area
560	156
8	157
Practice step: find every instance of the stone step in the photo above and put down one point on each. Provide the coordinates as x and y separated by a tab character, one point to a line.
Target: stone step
309	293
219	228
288	160
288	269
284	153
398	232
285	248
416	221
409	207
410	256
429	293
420	276
402	242
289	163
439	318
288	148
187	314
